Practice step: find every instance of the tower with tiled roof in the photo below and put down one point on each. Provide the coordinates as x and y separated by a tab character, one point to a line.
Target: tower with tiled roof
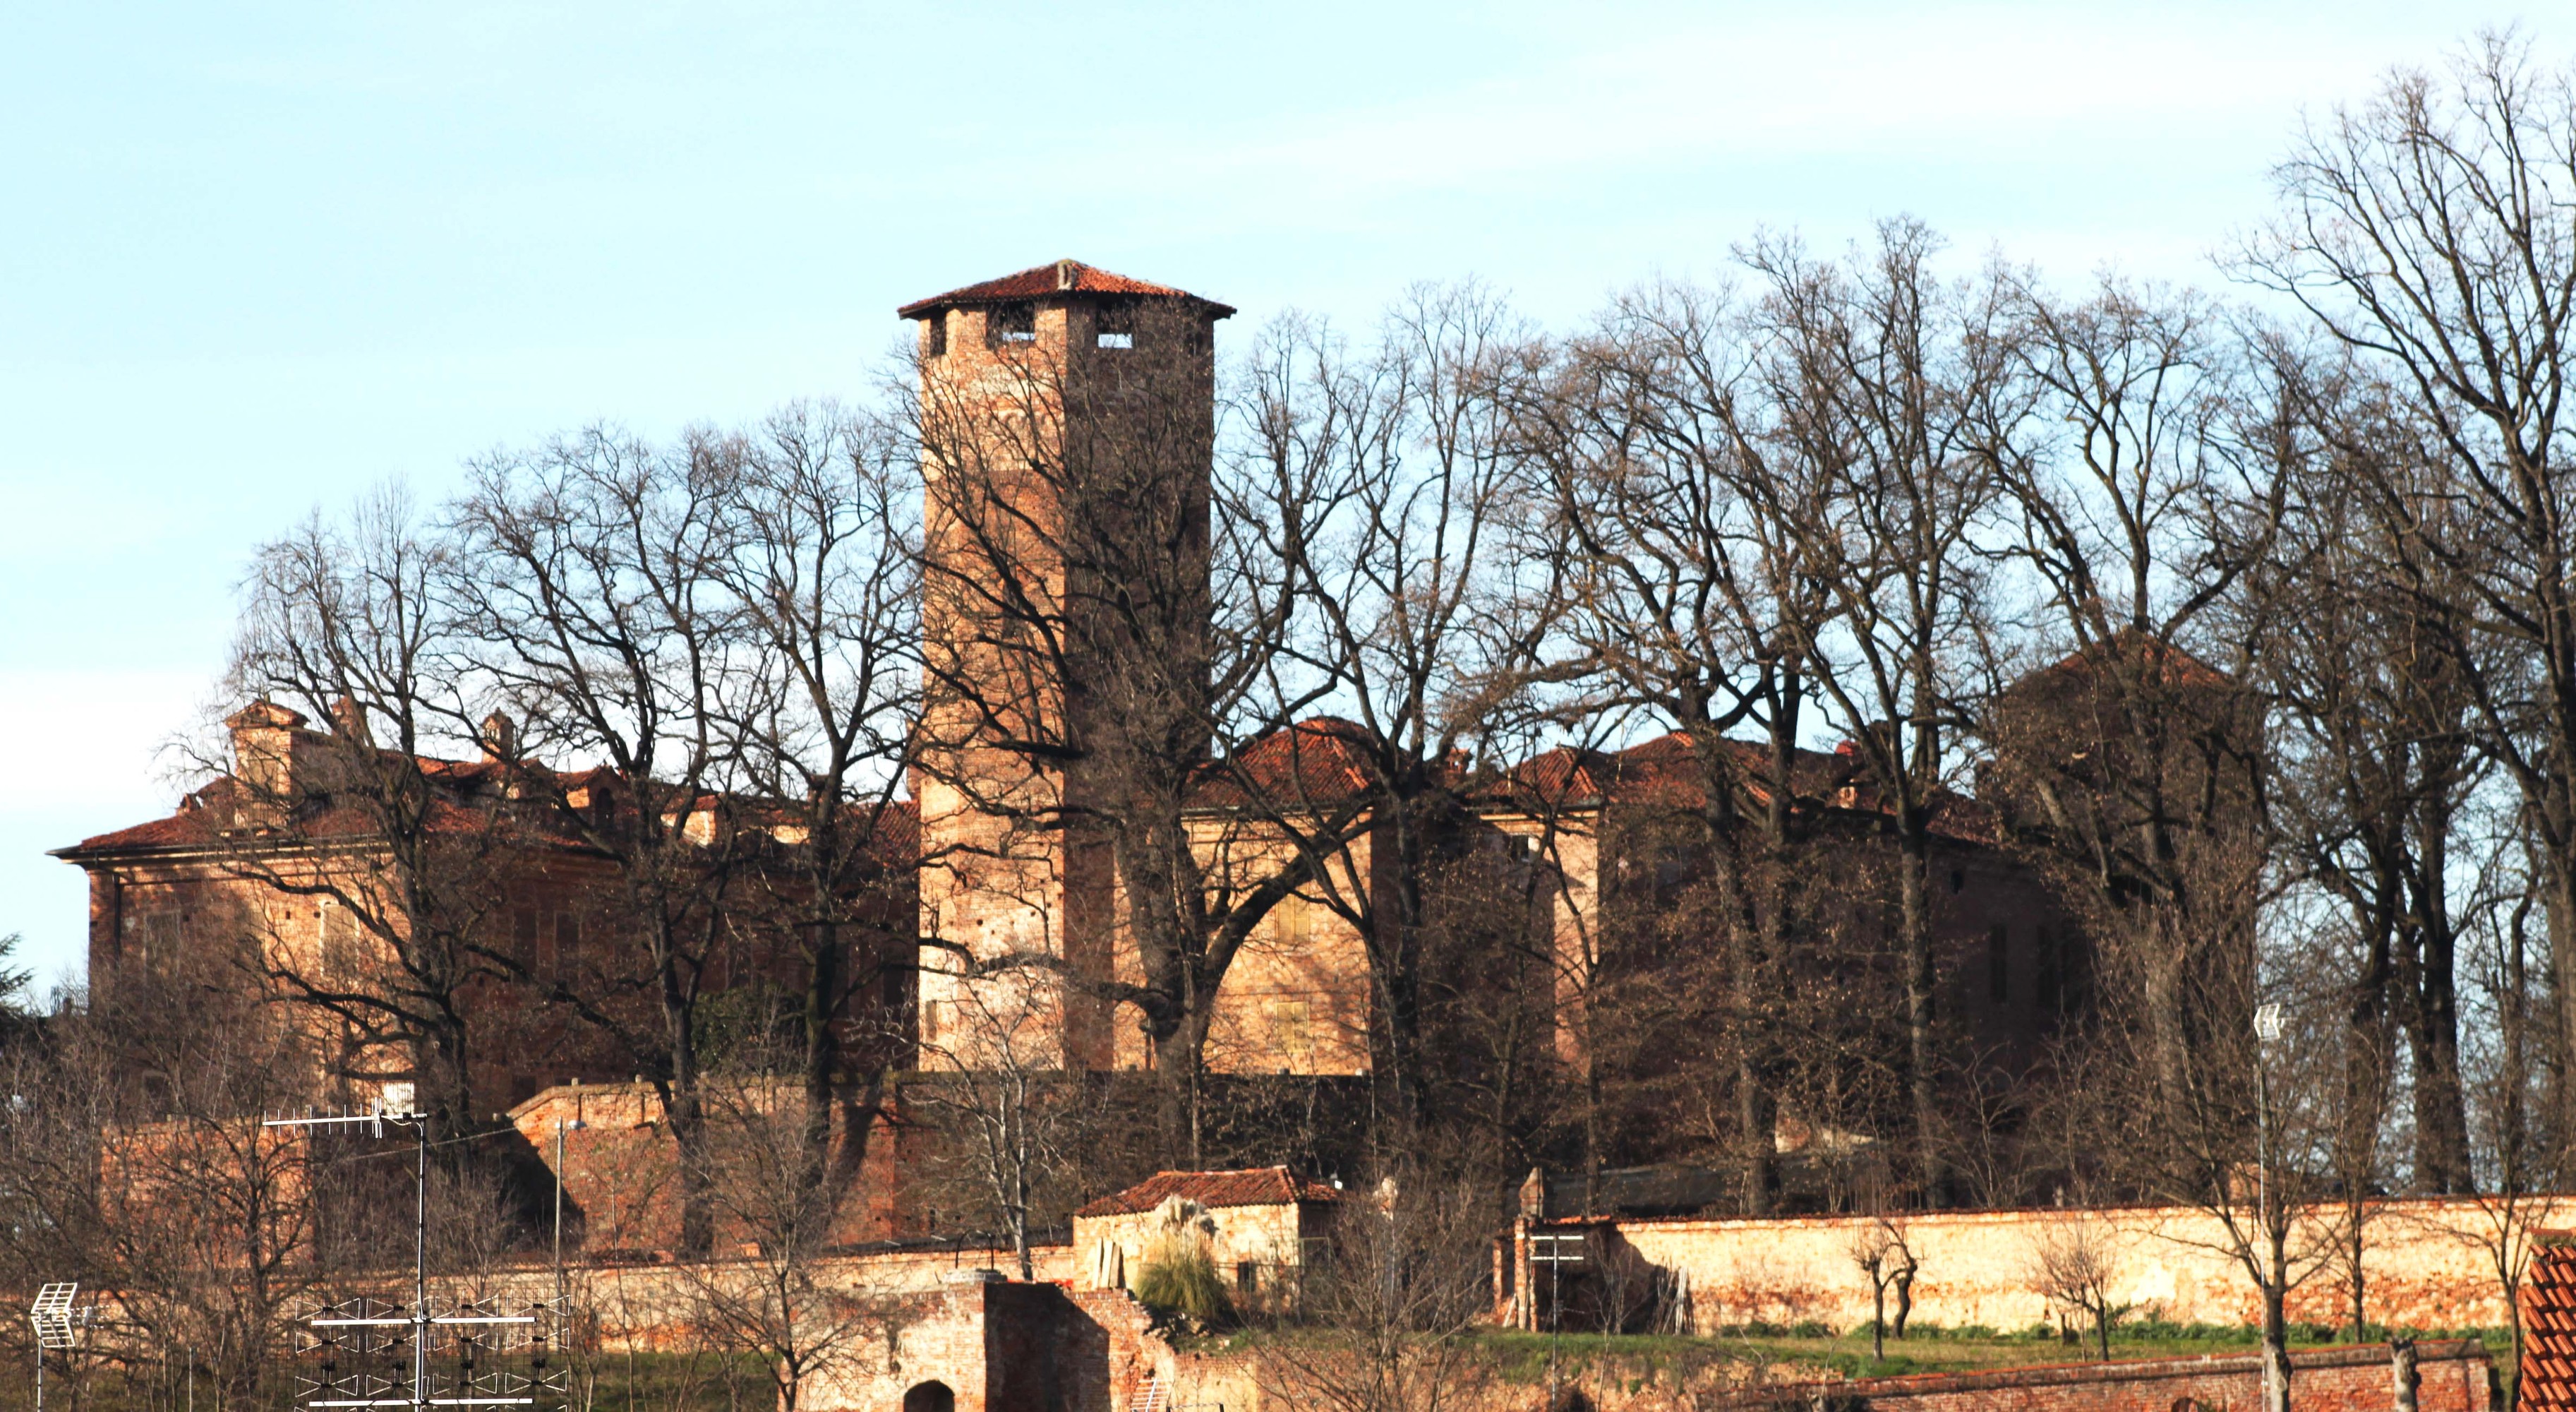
1067	418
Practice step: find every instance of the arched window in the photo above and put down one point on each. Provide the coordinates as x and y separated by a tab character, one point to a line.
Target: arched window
930	1397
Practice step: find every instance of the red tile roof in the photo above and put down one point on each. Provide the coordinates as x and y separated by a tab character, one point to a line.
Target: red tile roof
1312	764
1061	277
2549	1325
206	818
1256	1186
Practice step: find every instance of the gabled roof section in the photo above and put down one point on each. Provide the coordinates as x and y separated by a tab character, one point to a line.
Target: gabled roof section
2130	645
1061	277
1315	763
1254	1186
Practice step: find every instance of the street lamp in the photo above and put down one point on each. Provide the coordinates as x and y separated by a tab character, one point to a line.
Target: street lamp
2267	1031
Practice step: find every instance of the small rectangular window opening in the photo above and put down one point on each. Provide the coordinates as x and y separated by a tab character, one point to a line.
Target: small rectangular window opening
939	334
1247	1276
1114	328
1012	323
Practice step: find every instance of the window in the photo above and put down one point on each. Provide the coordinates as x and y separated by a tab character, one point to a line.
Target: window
1011	323
567	944
340	956
1998	964
1293	920
938	332
1291	1041
1958	882
1247	1276
1114	326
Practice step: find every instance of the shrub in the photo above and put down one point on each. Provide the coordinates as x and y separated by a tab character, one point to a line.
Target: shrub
1179	1278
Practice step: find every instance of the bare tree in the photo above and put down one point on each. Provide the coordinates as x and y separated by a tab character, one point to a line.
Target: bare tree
820	553
1690	611
2074	1265
400	858
1014	1119
587	599
1879	1251
2421	230
1400	1292
1416	619
134	1156
775	1297
1900	401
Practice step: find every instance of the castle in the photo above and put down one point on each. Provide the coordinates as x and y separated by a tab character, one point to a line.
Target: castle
1068	421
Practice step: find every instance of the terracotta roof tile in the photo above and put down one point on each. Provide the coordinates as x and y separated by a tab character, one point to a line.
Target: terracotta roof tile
1314	763
1256	1186
1061	277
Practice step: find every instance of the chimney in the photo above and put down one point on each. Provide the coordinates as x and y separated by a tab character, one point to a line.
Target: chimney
349	720
500	737
264	745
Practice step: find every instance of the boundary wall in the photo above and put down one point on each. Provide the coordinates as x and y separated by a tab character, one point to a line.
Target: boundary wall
2426	1263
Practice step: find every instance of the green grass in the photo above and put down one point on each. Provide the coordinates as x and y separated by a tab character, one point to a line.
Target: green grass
1812	1350
661	1382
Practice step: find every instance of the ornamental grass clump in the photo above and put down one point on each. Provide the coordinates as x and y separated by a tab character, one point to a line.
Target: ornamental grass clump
1179	1279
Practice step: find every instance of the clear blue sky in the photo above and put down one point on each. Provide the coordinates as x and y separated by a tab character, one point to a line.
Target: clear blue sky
254	258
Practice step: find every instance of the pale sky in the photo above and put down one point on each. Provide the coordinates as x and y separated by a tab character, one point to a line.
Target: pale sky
256	258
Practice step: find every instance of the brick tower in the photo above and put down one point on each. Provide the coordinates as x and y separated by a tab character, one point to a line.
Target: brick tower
1067	419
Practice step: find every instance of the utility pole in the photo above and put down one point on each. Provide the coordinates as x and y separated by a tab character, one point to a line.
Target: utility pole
2276	1353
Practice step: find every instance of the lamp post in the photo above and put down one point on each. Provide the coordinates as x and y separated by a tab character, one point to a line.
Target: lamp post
2276	1357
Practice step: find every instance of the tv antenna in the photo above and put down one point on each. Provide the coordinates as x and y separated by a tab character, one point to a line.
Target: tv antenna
361	1326
58	1326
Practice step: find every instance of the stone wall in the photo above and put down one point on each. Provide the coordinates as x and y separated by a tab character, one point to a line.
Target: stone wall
2425	1264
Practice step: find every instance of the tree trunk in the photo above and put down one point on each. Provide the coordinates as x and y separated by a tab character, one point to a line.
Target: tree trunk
2441	1113
1178	1058
1914	917
2276	1349
822	1065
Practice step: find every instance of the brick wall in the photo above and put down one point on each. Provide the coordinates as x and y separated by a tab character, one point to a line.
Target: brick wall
2426	1264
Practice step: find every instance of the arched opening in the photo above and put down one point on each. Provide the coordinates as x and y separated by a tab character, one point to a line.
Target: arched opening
930	1397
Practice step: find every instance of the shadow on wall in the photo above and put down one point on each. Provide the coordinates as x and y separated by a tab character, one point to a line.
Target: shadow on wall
1604	1285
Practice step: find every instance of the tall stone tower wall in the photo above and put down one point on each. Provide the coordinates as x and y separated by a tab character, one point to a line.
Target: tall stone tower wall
1067	421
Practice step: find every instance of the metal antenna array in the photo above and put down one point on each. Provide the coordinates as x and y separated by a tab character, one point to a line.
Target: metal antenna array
58	1326
354	1350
